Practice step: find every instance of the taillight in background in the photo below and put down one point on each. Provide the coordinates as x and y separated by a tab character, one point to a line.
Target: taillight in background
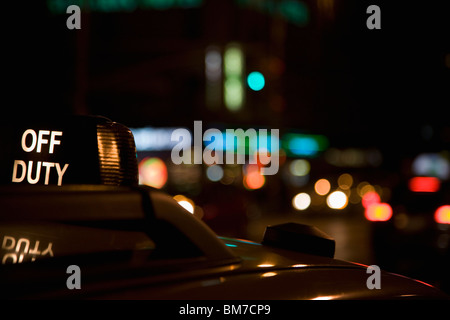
442	214
378	212
424	184
370	198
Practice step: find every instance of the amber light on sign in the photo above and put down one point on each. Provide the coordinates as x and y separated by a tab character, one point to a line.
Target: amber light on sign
442	214
424	184
378	212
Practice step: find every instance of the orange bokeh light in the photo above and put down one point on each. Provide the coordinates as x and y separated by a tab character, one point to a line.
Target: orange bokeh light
153	172
378	212
322	187
254	180
442	214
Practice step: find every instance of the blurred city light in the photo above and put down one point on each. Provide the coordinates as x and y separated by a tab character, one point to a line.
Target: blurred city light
424	184
213	73
337	200
353	157
229	176
233	94
185	177
253	179
378	212
213	64
299	167
60	6
233	60
214	173
304	145
301	201
364	187
369	198
431	164
322	187
185	202
345	181
187	205
256	81
233	69
294	11
442	214
153	172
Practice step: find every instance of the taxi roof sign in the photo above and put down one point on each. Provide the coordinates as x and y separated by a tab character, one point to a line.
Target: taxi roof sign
72	150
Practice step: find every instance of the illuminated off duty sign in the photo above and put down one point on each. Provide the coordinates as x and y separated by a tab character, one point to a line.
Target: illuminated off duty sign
39	142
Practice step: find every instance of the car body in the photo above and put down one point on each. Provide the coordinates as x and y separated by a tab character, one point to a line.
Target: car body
173	255
92	232
415	240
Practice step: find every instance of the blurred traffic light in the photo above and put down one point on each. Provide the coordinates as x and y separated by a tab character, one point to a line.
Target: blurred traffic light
256	81
233	69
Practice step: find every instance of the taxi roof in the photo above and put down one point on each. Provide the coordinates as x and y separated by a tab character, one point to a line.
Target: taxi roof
141	209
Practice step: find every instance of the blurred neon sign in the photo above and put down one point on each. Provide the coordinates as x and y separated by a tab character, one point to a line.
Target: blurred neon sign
60	6
233	89
431	164
304	145
294	11
154	139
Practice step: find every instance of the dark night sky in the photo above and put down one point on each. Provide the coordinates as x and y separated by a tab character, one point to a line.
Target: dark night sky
146	68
